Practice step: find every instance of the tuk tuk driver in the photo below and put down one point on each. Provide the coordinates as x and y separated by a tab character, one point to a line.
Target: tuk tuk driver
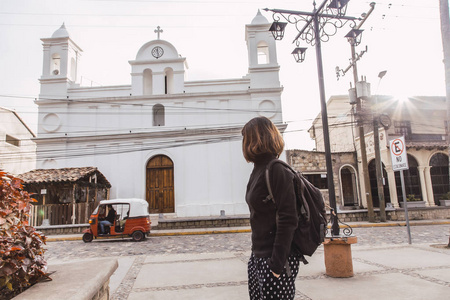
109	220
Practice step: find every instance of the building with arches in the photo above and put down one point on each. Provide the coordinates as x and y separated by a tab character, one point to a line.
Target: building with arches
423	123
173	142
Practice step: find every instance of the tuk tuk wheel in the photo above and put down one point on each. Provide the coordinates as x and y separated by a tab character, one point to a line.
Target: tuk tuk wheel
138	236
87	237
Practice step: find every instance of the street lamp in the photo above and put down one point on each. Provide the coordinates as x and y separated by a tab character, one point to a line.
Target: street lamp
277	29
313	28
354	36
299	54
339	7
378	162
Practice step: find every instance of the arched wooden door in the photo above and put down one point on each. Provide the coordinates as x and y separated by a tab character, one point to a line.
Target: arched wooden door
349	192
160	185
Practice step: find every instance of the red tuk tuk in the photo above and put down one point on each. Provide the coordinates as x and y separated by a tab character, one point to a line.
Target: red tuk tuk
131	218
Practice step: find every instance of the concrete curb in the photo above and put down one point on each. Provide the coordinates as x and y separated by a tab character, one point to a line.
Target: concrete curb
223	230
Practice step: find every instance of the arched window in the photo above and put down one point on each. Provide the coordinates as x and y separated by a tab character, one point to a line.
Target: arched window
148	82
168	81
158	115
439	175
73	69
263	53
55	64
412	180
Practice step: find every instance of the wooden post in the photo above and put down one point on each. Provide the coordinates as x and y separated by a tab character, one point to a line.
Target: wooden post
73	203
87	204
96	188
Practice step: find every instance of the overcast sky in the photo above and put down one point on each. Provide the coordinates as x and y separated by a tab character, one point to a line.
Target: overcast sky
402	36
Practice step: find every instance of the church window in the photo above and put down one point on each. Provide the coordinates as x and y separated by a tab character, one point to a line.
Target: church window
12	140
158	115
263	53
403	128
73	69
148	82
168	81
55	64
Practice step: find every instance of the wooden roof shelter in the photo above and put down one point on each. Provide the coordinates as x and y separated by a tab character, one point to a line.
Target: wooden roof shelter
65	185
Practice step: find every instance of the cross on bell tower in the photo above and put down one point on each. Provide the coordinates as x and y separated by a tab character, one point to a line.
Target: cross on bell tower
158	31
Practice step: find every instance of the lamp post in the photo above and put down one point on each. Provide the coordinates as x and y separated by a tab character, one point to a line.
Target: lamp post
360	92
314	28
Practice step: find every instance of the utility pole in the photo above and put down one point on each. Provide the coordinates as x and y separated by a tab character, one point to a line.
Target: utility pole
445	33
379	169
353	36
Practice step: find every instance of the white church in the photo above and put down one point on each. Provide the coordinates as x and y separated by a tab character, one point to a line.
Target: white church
173	142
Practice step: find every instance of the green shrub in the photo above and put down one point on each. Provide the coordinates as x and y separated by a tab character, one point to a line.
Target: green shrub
21	254
446	196
412	197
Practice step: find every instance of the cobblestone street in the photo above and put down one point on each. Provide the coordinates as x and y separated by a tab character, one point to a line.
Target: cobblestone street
162	267
234	242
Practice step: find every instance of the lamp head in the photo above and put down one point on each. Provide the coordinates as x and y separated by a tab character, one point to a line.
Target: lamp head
299	54
381	74
338	7
354	36
277	29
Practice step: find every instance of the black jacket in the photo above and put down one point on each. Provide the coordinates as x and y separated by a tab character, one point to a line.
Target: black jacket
269	239
111	216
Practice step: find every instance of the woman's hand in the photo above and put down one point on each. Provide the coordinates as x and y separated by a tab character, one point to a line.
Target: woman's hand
275	274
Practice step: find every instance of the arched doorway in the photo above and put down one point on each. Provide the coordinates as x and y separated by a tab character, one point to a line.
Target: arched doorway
348	183
374	185
412	180
439	175
160	185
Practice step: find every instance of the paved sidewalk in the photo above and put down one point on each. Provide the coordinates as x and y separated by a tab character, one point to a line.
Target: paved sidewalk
398	272
385	271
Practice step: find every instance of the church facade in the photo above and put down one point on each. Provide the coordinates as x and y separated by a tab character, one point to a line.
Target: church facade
174	143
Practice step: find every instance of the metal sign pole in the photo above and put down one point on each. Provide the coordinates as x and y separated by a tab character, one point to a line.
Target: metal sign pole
402	179
399	160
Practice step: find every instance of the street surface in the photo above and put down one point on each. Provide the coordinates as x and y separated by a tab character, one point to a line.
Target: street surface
213	266
233	242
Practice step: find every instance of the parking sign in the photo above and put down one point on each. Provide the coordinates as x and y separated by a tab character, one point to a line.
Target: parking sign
399	157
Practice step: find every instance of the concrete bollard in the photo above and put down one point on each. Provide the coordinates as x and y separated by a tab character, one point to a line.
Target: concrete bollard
338	256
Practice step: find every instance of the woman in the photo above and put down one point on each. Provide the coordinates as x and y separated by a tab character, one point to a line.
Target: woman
273	266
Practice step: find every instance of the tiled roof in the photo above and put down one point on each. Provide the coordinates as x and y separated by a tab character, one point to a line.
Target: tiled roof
61	175
427	145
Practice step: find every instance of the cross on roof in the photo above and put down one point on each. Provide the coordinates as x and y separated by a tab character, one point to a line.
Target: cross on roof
158	31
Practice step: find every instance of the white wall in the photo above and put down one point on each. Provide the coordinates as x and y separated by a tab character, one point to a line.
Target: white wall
20	158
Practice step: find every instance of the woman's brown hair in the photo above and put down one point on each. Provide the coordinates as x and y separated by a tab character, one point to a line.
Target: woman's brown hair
261	136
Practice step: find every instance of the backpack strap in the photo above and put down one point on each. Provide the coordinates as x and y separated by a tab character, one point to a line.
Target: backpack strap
271	198
269	188
268	168
304	208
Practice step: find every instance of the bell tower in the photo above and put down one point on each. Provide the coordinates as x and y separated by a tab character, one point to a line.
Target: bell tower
262	56
60	64
158	69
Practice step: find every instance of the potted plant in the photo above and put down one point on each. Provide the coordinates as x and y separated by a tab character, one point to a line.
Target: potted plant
21	254
413	202
445	199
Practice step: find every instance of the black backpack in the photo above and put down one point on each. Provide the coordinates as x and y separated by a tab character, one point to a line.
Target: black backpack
312	222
